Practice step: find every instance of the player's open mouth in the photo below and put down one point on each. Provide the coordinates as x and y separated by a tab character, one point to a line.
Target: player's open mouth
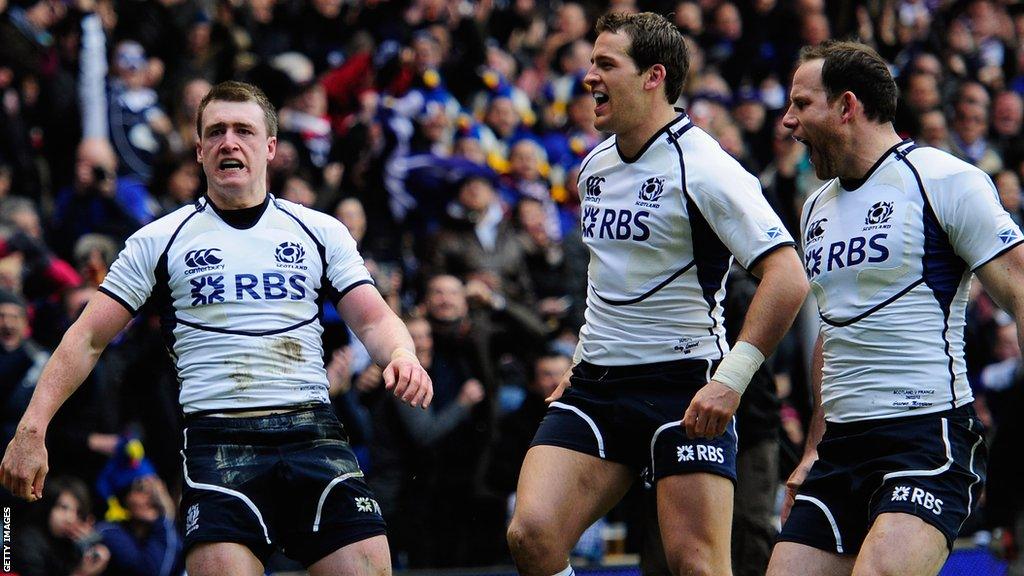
231	165
601	101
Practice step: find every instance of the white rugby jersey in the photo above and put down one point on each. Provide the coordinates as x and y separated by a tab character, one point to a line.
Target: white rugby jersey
240	308
661	229
890	263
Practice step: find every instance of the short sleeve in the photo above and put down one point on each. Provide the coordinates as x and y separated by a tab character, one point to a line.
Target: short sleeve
968	209
741	217
133	274
345	267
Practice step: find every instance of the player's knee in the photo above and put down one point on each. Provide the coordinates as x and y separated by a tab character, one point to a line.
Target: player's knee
529	540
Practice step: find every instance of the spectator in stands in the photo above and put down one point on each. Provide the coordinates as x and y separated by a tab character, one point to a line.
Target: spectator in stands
176	181
60	539
477	238
138	126
98	200
39	273
970	143
21	362
139	531
1008	186
517	428
433	452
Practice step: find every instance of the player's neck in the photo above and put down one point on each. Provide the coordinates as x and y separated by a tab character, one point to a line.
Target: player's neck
630	142
236	200
867	148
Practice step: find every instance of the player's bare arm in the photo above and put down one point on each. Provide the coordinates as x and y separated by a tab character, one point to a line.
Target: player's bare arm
1003	279
24	465
387	339
775	305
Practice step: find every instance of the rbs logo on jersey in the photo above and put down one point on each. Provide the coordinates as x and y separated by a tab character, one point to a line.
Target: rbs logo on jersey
269	286
615	224
842	254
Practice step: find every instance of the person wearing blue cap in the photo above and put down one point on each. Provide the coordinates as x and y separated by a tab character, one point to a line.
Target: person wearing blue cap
140	531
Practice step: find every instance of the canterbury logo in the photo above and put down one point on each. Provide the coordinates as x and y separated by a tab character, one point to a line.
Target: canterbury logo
204	257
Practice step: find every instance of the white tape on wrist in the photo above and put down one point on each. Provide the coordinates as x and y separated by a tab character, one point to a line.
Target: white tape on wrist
739	366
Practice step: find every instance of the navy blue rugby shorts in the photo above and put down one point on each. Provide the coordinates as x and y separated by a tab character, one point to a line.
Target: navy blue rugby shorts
930	466
633	415
288	481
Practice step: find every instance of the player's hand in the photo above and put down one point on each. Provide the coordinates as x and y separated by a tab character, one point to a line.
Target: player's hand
408	380
24	466
560	389
710	411
795	480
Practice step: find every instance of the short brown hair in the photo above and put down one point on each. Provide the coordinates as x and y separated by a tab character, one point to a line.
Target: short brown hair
652	40
855	67
232	91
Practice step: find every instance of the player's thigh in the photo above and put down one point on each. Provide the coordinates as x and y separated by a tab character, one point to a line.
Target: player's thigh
792	559
695	516
561	492
368	557
901	544
218	558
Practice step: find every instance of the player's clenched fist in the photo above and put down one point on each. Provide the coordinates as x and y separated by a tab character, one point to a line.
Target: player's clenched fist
24	466
407	379
710	411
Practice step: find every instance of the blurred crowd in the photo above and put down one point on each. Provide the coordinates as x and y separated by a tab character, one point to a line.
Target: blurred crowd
447	136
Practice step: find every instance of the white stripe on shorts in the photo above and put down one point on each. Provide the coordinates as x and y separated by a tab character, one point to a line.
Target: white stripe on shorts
588	420
977	477
934	471
654	439
323	496
831	519
221	489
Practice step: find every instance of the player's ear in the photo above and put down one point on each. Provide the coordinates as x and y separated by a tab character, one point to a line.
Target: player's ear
271	147
848	106
654	76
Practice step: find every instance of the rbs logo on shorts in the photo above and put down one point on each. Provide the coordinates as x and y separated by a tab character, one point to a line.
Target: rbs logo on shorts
700	452
917	496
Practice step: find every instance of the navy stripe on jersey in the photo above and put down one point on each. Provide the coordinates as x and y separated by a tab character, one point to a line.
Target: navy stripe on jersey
858	318
711	257
161	296
590	157
249	332
855	183
679	133
119	300
757	259
810	210
650	141
342	293
1000	253
647	294
943	269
